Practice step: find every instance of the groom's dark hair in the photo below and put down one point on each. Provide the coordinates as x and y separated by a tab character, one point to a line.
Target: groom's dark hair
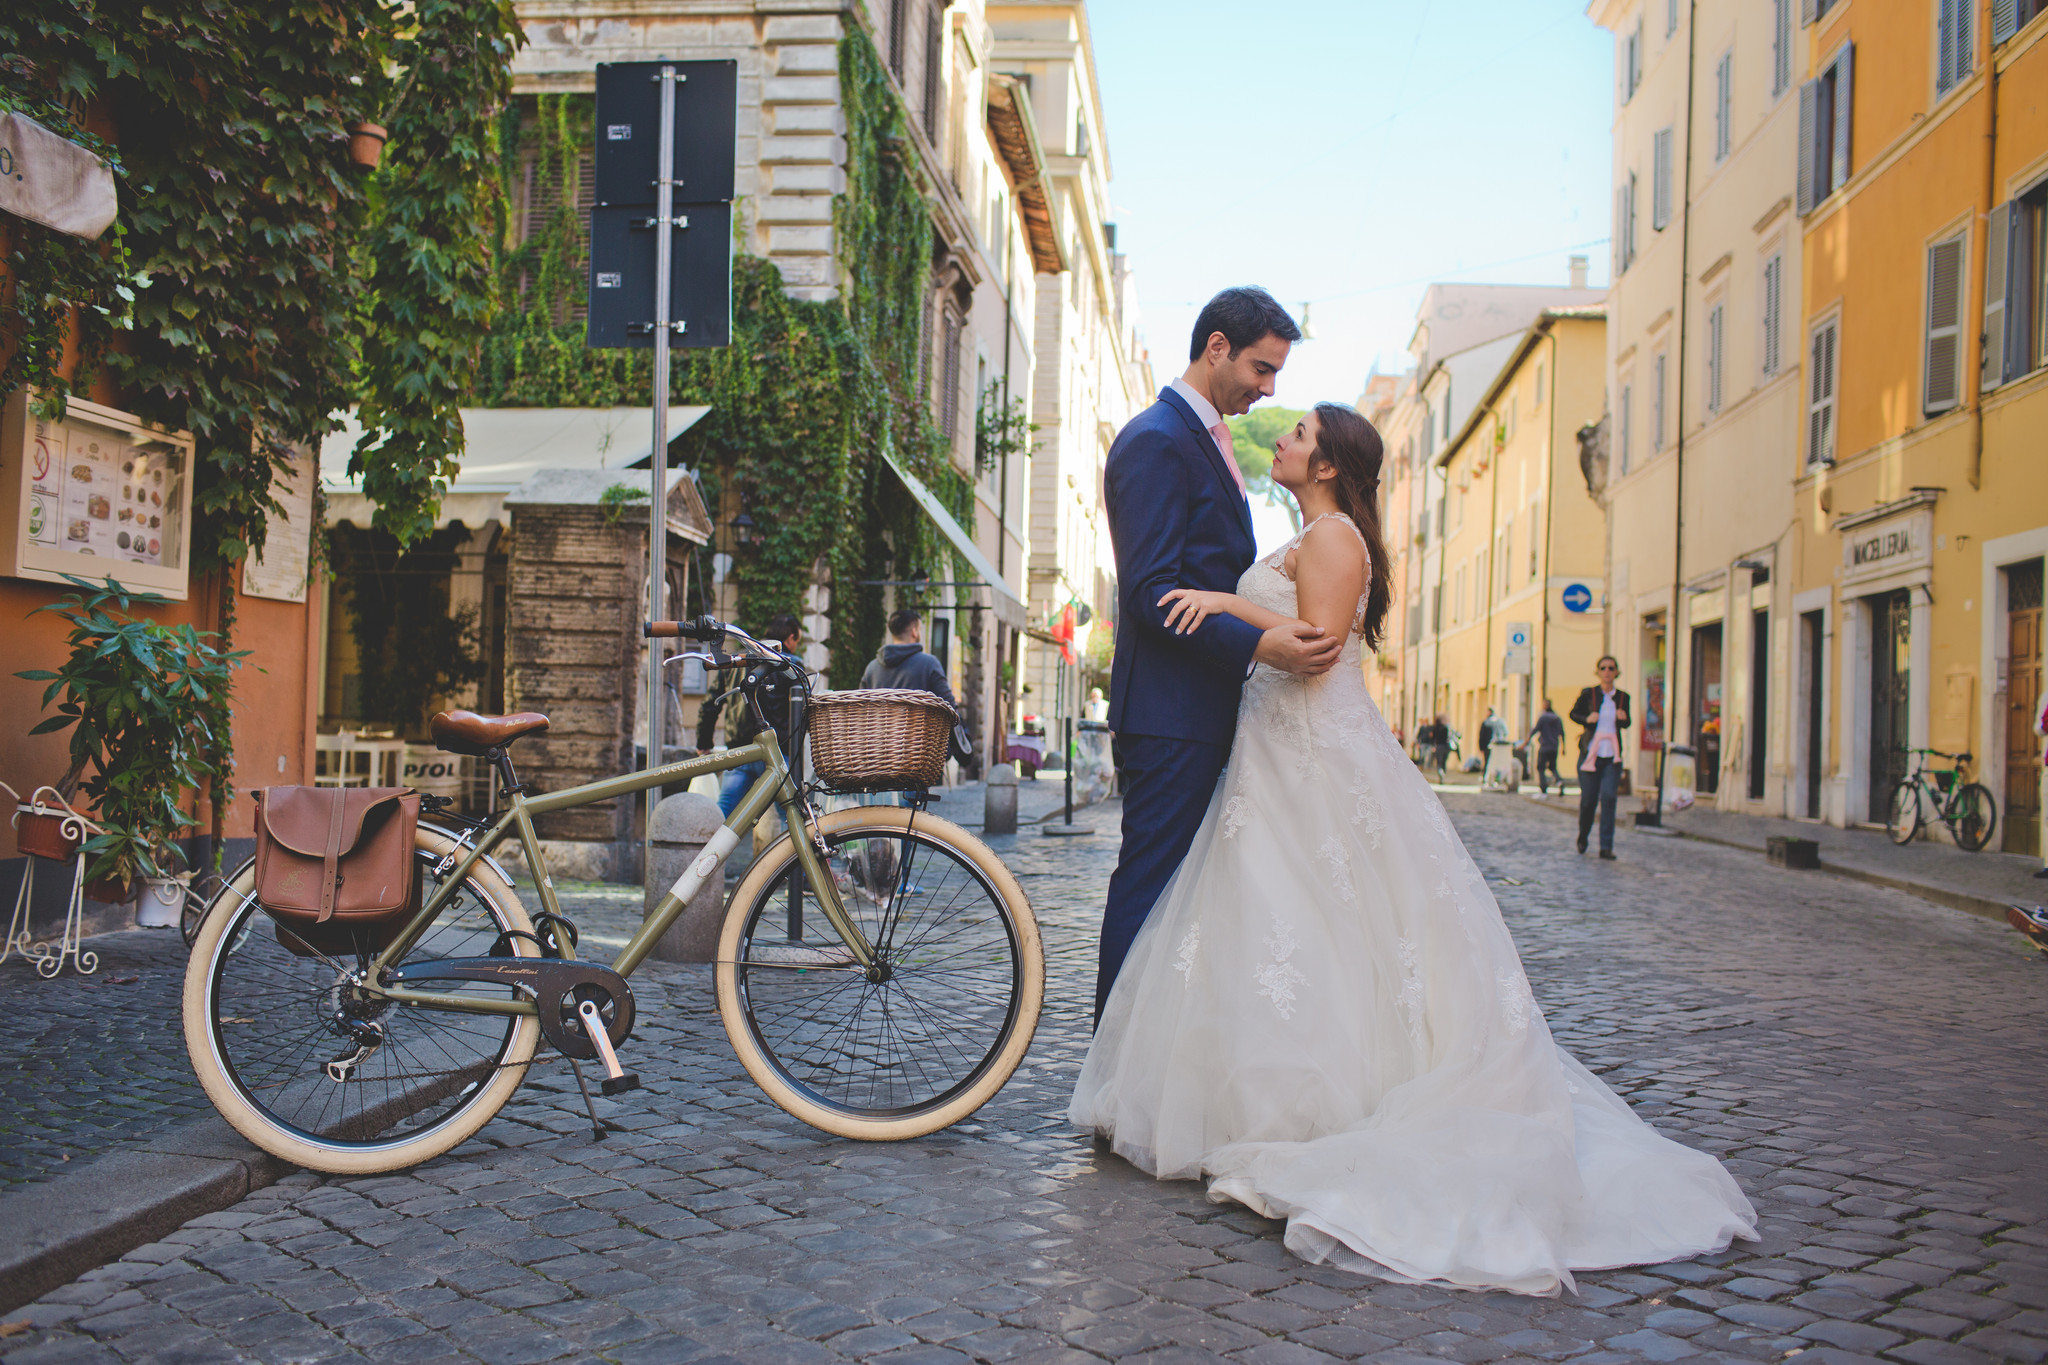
1244	315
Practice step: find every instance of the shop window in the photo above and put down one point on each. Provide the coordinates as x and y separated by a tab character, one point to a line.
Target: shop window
1825	105
1942	379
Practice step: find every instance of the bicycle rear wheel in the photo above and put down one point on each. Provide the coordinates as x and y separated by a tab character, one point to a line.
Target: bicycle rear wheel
1973	816
927	1038
1902	812
263	1025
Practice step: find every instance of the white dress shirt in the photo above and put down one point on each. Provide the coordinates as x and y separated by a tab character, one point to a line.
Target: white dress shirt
1205	413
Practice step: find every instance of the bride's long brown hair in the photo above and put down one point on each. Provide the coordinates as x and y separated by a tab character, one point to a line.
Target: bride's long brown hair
1349	443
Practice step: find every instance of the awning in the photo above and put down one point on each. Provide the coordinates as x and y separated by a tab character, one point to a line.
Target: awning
1009	607
52	180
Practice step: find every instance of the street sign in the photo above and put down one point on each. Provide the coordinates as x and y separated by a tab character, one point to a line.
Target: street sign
622	271
1519	660
1518	634
629	131
1578	597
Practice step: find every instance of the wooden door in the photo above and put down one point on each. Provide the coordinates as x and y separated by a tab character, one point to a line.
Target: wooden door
2022	814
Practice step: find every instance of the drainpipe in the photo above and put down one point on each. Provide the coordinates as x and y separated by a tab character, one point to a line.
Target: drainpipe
1549	511
1692	29
1990	198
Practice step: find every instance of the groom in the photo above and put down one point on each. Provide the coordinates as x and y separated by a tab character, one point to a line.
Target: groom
1179	519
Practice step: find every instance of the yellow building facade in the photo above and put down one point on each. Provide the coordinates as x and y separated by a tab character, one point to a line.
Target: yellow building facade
1921	494
1523	539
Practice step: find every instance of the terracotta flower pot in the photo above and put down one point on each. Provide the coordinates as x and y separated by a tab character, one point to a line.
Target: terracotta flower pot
366	144
44	836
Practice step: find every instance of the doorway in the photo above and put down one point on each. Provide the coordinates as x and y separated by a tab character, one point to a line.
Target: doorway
1891	676
2022	702
1706	708
1759	701
1813	639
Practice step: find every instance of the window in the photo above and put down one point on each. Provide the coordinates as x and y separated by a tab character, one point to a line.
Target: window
934	35
1625	224
1670	17
1436	610
2015	286
1631	62
1458	596
1820	393
949	375
1623	434
1536	401
1724	106
1772	310
1824	109
1942	384
899	27
2010	16
1717	328
1816	9
1660	179
1658	390
1535	521
1955	47
1781	47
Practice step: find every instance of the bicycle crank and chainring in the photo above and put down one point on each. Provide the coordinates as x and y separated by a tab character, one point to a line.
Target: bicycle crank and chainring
558	988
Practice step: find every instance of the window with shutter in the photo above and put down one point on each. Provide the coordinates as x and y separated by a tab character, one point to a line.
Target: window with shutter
2026	283
949	376
1997	239
1717	321
1772	305
1820	404
1670	17
1809	138
1943	380
1658	389
1954	45
899	27
1660	179
1623	433
1781	47
934	70
1843	69
1724	106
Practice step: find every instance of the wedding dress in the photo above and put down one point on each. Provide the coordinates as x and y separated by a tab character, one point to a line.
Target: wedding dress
1325	1015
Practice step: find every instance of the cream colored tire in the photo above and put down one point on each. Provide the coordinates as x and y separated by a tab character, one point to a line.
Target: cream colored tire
1009	1046
294	1144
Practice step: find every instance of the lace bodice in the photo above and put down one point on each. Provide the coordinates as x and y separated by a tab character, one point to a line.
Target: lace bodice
1266	584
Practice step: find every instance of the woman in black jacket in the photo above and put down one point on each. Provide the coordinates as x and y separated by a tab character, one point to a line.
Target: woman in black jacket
1604	713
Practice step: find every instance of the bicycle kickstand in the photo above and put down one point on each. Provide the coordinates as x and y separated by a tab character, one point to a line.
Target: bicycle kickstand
599	1129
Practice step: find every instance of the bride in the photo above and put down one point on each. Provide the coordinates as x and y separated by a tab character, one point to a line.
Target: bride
1325	1015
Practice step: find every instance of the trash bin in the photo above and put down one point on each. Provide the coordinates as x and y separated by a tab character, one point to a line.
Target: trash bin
683	824
1679	776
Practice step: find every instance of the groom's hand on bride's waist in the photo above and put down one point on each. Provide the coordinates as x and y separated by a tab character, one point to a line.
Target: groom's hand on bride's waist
1298	647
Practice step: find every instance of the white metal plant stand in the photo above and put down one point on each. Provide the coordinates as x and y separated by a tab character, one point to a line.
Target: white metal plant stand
62	831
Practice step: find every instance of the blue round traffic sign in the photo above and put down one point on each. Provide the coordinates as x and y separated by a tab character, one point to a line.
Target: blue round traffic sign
1578	597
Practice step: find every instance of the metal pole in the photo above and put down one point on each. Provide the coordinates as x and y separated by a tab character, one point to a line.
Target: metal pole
657	507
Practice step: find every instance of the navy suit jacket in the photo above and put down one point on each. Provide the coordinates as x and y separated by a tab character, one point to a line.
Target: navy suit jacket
1178	521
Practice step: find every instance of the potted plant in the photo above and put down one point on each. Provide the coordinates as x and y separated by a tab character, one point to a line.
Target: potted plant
147	707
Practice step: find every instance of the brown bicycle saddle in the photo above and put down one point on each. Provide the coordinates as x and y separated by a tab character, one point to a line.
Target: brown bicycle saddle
466	732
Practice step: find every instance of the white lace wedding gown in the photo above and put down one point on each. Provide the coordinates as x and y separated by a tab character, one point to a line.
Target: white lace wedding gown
1325	1015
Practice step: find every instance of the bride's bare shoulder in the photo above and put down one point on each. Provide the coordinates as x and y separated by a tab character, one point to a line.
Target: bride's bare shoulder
1332	544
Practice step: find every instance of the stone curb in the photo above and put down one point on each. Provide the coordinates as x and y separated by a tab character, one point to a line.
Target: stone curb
1927	891
125	1199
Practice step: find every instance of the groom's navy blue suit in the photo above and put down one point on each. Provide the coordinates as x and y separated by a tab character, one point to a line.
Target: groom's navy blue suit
1178	520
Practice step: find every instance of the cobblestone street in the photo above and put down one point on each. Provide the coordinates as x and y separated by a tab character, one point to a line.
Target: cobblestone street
1868	1065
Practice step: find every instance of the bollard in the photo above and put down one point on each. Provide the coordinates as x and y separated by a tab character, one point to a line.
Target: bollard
683	824
999	807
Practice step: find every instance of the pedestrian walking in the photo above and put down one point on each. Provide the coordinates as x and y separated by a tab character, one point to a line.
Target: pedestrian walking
903	662
785	634
1491	729
1436	739
1548	734
1603	711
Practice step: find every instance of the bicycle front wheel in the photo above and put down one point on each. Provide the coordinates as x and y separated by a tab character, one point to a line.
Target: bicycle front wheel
1973	816
278	1038
1902	812
934	1030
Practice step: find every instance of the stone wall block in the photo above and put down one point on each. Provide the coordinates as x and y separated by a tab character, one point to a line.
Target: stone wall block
807	180
806	118
799	241
786	150
794	208
800	90
806	58
801	28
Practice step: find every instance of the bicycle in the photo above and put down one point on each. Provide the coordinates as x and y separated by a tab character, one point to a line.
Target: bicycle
879	971
1966	807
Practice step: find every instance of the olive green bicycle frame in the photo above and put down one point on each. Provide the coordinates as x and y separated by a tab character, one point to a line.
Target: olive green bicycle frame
774	787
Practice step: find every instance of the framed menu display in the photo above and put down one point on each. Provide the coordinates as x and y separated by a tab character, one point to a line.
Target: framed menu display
100	494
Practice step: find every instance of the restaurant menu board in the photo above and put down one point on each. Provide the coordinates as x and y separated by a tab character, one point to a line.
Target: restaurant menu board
95	494
278	570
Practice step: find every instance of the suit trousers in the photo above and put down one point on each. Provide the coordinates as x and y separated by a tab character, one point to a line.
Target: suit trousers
1600	788
1167	784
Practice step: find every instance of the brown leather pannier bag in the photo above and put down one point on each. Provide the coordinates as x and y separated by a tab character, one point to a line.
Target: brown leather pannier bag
335	866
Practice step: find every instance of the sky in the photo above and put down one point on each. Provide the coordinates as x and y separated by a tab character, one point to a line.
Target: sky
1348	153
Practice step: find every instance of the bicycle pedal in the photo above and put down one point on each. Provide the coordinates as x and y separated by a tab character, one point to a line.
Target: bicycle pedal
621	1083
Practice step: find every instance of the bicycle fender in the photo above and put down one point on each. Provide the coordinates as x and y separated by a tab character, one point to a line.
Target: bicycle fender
552	981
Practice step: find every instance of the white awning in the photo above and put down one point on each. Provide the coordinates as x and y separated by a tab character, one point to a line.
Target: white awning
1009	607
504	448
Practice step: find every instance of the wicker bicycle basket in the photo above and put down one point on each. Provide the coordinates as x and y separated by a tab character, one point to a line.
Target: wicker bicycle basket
879	739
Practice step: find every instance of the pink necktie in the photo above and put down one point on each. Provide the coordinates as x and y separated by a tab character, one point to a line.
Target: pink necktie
1221	431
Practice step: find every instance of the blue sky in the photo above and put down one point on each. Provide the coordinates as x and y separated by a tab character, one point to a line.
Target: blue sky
1349	152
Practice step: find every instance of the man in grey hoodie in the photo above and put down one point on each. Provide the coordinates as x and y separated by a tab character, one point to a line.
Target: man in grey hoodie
903	662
